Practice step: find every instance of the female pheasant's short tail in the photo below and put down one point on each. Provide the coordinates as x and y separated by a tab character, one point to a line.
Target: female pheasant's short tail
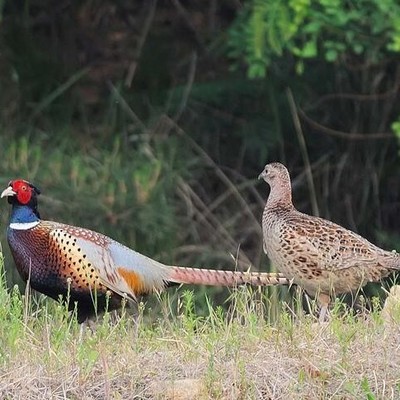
197	276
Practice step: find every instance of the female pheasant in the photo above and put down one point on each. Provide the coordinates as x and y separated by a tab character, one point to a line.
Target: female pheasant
85	266
320	256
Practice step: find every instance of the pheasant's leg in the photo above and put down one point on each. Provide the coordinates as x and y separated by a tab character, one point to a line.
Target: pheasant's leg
87	324
324	301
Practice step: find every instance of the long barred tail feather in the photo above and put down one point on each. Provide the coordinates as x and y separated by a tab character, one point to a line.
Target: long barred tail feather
197	276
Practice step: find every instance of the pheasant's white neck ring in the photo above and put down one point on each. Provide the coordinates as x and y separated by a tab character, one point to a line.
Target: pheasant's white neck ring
22	226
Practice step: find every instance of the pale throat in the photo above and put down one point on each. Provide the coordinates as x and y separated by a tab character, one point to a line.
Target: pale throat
280	194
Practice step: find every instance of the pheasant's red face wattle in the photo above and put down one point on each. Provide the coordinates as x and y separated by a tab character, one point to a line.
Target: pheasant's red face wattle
23	191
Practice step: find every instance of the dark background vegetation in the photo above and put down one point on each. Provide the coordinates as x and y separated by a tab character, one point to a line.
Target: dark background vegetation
150	121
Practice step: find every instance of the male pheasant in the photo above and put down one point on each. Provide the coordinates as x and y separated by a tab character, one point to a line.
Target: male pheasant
322	257
85	266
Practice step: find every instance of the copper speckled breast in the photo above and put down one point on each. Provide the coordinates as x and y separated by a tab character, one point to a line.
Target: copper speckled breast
49	257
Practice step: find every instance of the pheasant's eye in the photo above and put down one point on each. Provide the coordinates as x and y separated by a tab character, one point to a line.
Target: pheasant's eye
23	188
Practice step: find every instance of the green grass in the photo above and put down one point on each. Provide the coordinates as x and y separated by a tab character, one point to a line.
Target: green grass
234	354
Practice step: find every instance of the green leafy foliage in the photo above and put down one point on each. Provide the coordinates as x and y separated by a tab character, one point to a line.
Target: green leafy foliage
306	29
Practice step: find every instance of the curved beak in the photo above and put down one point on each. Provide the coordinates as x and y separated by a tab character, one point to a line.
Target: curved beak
8	192
262	175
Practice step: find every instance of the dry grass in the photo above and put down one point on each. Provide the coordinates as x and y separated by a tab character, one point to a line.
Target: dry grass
223	355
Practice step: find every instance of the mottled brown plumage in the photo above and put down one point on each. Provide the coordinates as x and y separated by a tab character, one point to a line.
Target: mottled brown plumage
90	269
322	257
